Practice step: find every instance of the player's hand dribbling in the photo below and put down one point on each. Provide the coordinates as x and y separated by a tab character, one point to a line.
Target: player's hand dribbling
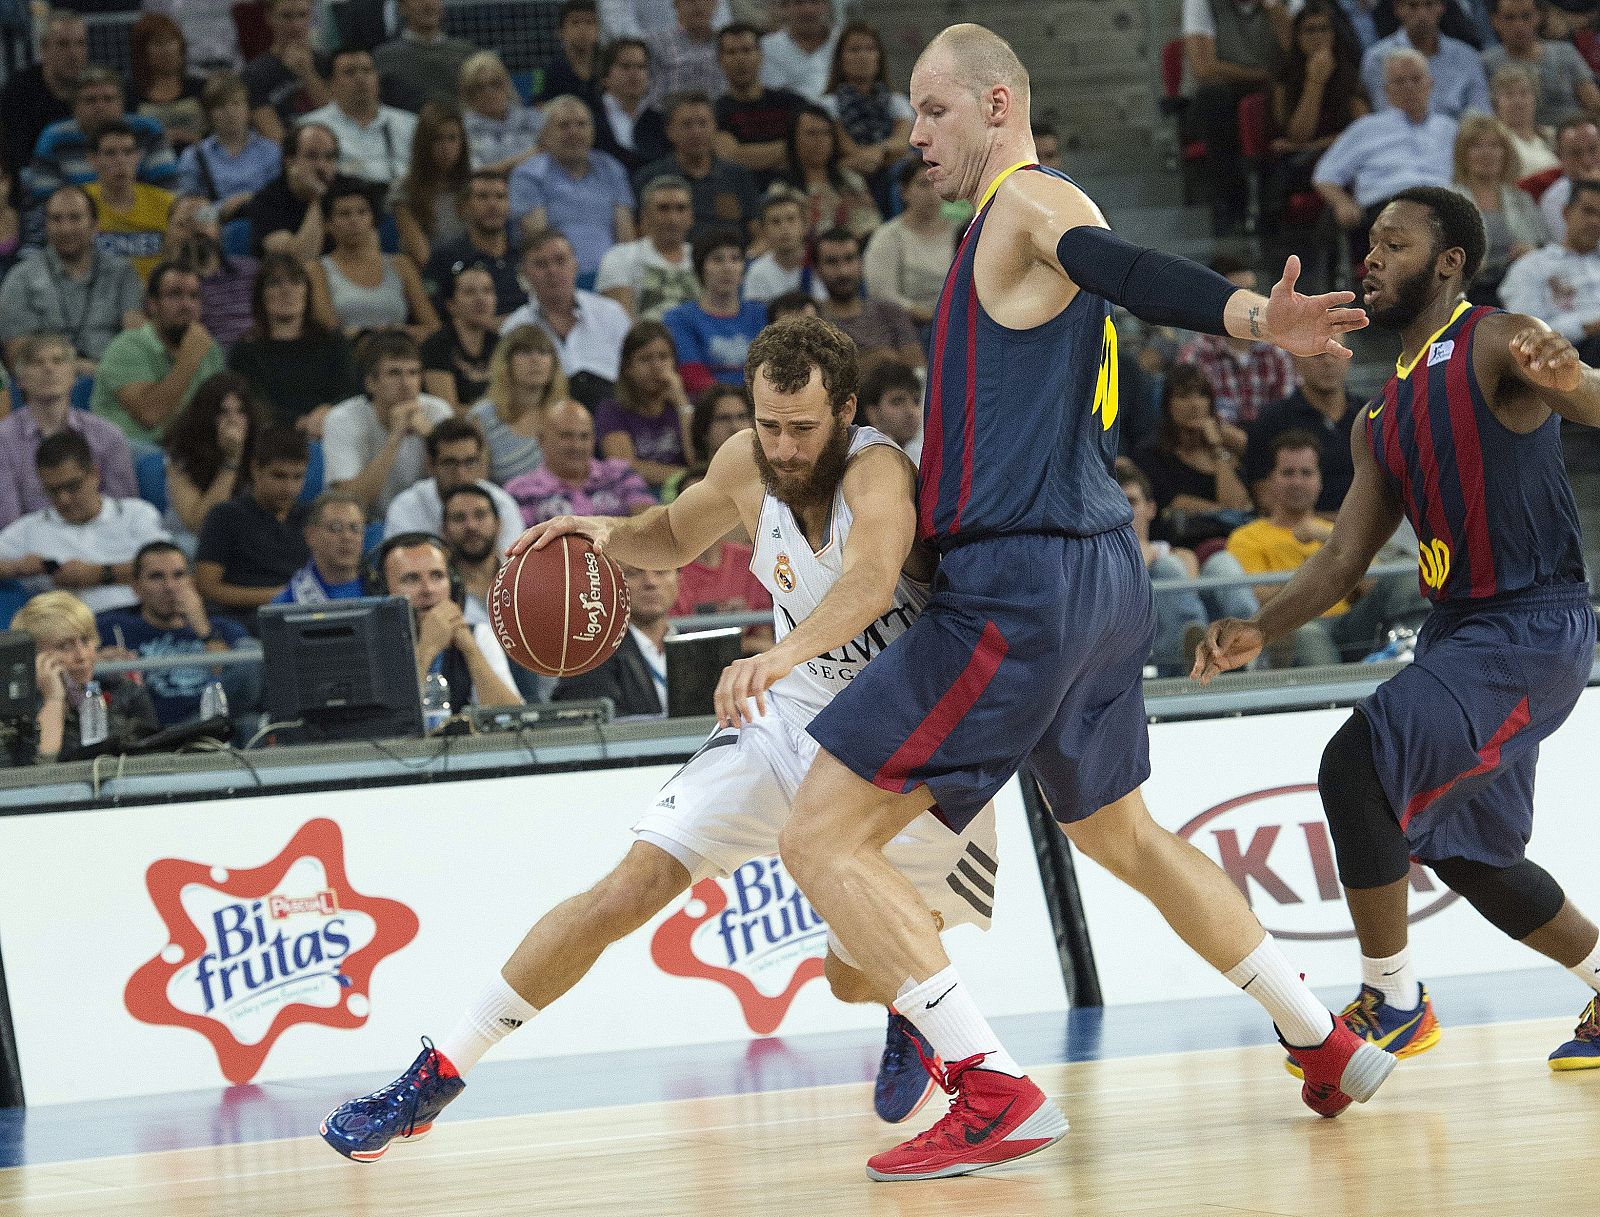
1309	325
1547	358
747	680
596	528
1228	644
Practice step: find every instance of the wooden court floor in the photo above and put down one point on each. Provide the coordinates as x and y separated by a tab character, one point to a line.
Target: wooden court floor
1479	1127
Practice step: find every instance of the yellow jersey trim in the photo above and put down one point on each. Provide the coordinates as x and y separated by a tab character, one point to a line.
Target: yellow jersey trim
1403	370
995	185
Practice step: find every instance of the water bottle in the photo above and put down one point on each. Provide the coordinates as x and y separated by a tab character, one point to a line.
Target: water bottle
93	725
435	702
213	701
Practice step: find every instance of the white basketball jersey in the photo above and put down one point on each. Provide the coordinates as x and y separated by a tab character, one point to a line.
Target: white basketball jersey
799	578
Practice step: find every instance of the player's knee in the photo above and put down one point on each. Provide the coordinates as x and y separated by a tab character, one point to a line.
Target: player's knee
1369	844
639	888
1516	900
803	847
1117	837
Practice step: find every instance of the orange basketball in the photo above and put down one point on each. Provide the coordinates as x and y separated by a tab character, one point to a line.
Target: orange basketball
561	610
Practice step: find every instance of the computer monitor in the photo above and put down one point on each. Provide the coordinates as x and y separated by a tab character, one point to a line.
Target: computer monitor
694	666
19	693
346	669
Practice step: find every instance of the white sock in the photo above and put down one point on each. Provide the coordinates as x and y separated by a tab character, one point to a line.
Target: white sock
1589	970
1302	1020
1395	978
942	1009
496	1014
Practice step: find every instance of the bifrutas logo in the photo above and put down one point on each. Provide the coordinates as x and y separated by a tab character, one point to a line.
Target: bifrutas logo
1274	844
251	953
753	932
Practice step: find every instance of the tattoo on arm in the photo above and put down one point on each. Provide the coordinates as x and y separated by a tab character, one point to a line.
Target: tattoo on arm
1255	321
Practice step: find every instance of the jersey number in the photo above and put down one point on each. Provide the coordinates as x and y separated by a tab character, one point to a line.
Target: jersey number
1105	385
1434	559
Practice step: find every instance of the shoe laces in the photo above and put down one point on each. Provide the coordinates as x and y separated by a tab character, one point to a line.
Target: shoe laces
404	1094
1589	1023
962	1114
1361	1015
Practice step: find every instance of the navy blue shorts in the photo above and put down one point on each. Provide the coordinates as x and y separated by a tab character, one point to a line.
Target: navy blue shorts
1456	734
1032	648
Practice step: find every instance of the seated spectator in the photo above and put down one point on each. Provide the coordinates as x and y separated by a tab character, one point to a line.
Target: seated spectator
1323	408
684	55
1456	69
455	357
798	55
209	447
300	368
656	272
627	127
83	542
1560	284
290	79
720	191
1566	83
635	678
1578	150
1047	146
891	401
1314	98
638	18
472	523
501	131
147	375
286	214
907	259
456	457
252	544
790	304
835	196
163	87
193	241
61	156
133	216
570	480
752	120
41	93
417	566
372	446
233	162
644	424
880	329
10	222
1512	93
720	413
67	643
721	581
1486	172
1192	463
43	364
71	288
357	287
336	526
484	208
783	268
712	334
525	381
425	201
171	619
1246	376
587	329
424	60
582	193
874	118
574	68
211	36
374	139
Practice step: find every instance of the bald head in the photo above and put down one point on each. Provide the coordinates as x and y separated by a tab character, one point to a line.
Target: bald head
982	58
569	441
970	95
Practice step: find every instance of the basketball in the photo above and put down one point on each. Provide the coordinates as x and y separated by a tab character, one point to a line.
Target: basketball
561	610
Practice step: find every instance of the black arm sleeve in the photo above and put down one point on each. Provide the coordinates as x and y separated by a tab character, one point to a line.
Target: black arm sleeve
1160	288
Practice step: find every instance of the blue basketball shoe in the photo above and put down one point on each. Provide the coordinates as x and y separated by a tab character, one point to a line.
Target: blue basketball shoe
1582	1051
1401	1032
904	1080
362	1128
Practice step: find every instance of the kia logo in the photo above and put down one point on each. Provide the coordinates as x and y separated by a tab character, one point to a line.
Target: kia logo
1274	845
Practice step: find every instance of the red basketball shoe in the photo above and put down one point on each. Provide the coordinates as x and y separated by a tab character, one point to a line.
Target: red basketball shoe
1342	1068
993	1118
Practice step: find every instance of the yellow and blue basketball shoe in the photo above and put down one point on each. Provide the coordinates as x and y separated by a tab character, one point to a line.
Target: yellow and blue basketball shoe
362	1128
905	1077
1402	1032
1582	1051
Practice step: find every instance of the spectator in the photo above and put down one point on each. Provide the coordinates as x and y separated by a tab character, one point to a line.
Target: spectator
147	375
1560	284
133	216
752	120
163	88
1246	377
1578	150
456	457
684	55
233	162
300	367
638	18
252	544
171	619
373	445
425	202
356	286
71	287
721	192
41	93
790	304
587	329
1511	91
627	126
525	381
484	207
208	446
571	480
720	581
572	70
656	272
875	119
635	678
501	131
799	55
61	156
67	642
455	357
10	222
1192	462
1486	172
286	214
1047	146
906	260
43	364
194	242
472	528
336	525
836	197
424	60
1315	97
783	268
644	424
880	329
1323	408
719	413
84	541
712	334
290	79
1459	83
374	139
581	193
891	401
210	34
1565	81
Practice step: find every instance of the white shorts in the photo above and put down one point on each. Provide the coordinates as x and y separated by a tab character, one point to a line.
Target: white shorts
730	800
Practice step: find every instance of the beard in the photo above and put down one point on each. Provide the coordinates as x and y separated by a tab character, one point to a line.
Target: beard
1410	298
816	488
473	550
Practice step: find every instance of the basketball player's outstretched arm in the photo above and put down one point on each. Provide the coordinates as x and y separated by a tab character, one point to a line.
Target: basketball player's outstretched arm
1538	365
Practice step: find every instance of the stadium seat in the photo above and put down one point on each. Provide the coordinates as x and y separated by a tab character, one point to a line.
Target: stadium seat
150	471
1537	183
237	237
1173	104
315	474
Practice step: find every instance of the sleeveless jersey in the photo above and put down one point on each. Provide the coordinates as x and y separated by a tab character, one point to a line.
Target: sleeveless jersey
1019	428
799	578
1492	509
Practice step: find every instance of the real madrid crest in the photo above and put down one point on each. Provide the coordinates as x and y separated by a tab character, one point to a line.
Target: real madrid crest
783	573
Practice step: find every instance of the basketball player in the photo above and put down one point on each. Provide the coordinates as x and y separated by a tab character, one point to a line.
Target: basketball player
1034	640
1465	441
797	483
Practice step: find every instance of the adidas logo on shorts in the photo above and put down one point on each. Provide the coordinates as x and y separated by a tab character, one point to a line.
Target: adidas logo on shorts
669	802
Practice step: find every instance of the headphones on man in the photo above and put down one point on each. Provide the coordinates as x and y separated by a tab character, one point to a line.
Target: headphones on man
375	583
